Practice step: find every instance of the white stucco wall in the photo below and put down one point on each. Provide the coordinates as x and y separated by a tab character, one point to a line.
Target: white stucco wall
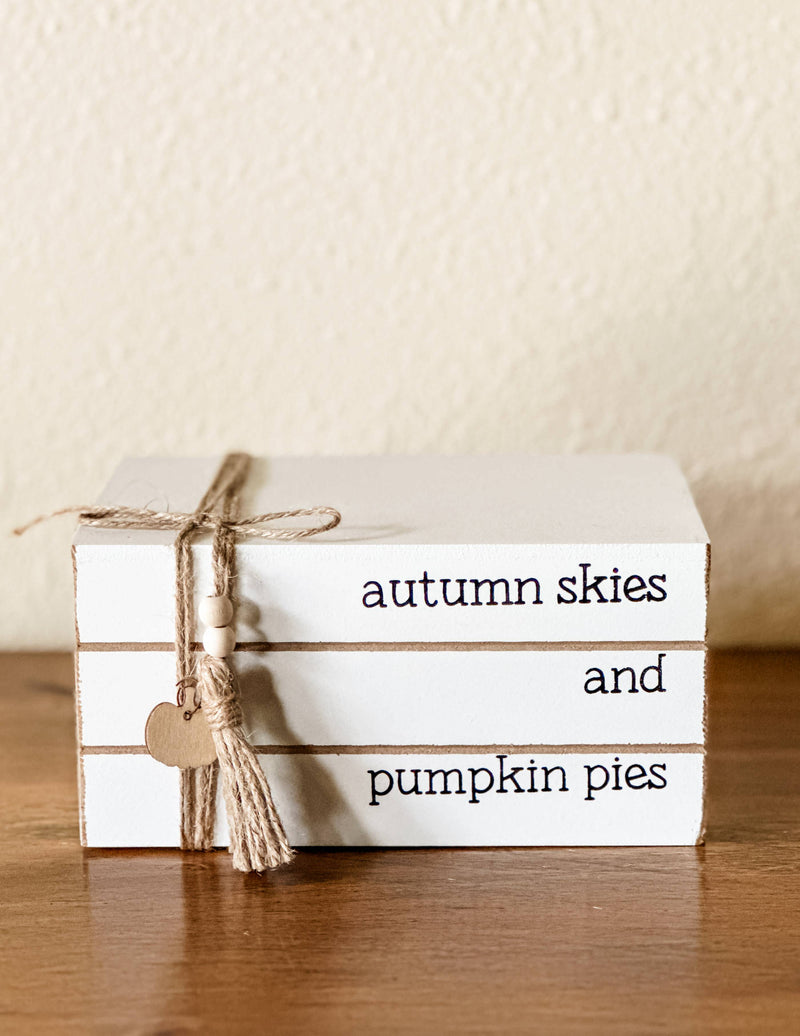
403	226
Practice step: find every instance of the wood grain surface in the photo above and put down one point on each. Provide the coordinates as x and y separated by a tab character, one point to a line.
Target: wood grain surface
414	941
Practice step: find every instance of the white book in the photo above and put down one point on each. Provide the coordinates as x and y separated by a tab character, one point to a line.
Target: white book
428	698
468	798
574	550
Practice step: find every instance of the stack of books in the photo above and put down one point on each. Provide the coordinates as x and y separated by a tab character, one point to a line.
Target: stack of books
499	650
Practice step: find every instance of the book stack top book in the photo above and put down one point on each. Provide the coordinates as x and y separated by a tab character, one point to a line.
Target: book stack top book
578	549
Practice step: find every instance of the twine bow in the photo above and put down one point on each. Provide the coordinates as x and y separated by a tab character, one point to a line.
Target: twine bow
258	841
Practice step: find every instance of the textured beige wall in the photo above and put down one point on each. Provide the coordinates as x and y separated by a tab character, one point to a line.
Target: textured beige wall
403	226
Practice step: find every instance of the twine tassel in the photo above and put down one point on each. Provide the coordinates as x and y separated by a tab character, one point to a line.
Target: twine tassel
257	839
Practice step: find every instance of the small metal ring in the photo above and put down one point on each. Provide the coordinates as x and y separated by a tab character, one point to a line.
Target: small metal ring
181	685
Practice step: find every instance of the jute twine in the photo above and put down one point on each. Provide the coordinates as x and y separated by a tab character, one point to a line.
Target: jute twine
257	838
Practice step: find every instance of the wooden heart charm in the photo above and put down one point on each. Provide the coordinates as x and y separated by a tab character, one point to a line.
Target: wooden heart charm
178	736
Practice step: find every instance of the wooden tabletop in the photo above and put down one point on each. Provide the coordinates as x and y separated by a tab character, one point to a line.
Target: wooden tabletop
412	941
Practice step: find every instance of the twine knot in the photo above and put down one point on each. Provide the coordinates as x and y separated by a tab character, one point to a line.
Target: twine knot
185	523
218	696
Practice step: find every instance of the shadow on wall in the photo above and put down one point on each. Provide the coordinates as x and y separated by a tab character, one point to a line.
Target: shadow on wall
318	811
755	567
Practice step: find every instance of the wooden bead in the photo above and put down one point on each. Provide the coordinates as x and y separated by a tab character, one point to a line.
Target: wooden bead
216	611
219	641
